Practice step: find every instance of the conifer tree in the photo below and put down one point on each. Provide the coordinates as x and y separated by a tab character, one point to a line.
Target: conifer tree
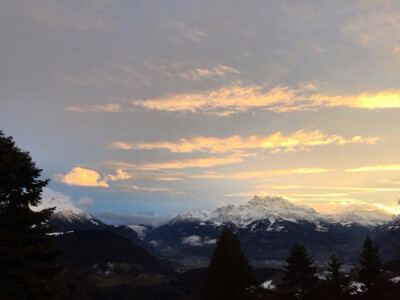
370	263
334	279
300	274
229	274
27	257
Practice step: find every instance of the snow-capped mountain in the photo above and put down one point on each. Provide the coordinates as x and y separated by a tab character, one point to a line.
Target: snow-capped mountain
76	216
258	208
278	208
267	228
68	218
76	220
367	218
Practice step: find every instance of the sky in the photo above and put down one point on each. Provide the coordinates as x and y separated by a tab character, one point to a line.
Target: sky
149	108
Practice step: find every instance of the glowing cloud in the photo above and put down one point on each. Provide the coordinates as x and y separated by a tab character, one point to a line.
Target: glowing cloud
382	100
82	177
299	140
376	168
235	98
229	100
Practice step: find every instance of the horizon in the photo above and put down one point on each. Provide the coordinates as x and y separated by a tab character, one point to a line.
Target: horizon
154	108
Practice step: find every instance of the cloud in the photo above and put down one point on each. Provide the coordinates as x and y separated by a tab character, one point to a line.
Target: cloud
192	163
141	172
375	27
82	177
299	140
87	16
376	168
195	240
112	107
380	100
262	173
120	145
339	188
144	189
84	203
187	32
117	75
235	99
202	73
153	219
121	175
86	177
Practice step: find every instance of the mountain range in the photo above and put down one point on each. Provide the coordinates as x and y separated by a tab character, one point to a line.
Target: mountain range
266	226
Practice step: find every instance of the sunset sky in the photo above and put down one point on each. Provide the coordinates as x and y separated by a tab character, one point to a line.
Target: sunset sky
152	106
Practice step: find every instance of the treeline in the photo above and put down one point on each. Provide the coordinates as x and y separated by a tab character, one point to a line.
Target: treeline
230	275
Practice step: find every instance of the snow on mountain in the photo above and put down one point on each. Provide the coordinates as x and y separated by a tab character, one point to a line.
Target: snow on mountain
64	208
258	208
192	216
277	208
57	200
73	216
368	218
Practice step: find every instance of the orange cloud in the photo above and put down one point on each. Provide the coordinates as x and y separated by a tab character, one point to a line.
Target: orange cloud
381	100
299	140
234	99
82	177
376	168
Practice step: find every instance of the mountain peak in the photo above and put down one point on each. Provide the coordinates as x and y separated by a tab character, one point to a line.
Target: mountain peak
267	200
70	215
257	208
279	204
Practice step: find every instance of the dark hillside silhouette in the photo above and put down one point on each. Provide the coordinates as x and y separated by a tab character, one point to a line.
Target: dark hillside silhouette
107	250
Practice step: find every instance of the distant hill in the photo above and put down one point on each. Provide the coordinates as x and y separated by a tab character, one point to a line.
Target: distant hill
108	266
76	220
108	252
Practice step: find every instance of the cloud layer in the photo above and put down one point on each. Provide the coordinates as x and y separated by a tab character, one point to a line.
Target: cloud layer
299	140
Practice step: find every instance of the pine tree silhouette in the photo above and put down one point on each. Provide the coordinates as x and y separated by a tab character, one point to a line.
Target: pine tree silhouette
334	280
370	263
300	274
27	257
229	274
